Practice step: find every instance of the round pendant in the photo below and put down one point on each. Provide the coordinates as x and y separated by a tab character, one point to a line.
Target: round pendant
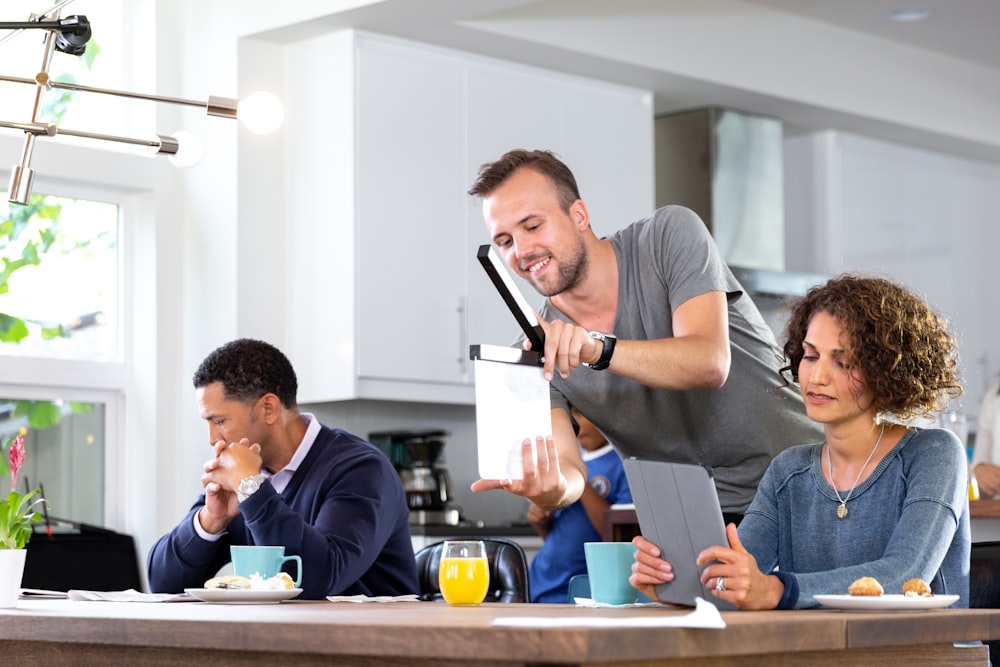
842	511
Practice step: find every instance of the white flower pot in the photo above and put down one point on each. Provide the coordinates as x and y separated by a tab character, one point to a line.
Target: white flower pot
11	571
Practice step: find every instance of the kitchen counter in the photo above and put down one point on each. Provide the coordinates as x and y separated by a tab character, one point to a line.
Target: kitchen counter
61	633
472	531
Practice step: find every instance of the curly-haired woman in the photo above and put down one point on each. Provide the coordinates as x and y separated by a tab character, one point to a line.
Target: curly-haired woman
878	498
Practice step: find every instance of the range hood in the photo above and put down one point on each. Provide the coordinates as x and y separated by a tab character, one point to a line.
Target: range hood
726	165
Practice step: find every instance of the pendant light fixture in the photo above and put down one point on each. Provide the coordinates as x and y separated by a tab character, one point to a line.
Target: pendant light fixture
260	112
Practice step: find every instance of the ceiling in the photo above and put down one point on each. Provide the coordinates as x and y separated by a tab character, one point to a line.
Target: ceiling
816	64
964	29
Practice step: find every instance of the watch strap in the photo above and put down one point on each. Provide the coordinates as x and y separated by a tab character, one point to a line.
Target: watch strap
608	341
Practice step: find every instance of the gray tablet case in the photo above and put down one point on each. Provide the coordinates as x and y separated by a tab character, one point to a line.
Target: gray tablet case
678	510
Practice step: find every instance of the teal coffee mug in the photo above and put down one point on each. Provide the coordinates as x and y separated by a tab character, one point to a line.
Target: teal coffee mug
265	562
609	565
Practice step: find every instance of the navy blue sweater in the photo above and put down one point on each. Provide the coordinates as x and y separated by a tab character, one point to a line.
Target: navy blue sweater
344	512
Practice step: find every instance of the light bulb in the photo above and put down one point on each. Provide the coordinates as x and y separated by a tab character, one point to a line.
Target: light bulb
189	149
261	112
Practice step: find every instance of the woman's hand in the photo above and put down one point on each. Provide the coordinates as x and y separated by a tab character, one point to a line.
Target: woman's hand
649	569
743	584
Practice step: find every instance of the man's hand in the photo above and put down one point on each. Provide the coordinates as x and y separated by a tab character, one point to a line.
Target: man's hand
232	463
566	347
543	482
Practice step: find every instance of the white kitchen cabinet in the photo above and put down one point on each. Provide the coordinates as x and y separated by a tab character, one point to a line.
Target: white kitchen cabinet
925	219
387	294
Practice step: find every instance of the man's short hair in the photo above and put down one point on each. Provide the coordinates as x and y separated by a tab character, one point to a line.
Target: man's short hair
493	174
248	369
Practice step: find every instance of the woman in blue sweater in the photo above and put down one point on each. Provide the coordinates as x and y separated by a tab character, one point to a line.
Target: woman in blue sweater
877	498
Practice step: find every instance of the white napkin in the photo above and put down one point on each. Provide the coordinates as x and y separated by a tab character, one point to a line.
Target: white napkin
373	598
705	615
130	595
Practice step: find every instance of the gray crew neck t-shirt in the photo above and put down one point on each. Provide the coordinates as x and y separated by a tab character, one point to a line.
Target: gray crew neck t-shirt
663	261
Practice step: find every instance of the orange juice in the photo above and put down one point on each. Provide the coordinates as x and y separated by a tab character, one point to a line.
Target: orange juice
463	580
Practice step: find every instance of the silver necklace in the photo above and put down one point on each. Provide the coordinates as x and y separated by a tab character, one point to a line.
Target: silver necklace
842	509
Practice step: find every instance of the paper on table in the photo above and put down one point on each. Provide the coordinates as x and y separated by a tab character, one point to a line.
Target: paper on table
373	598
130	595
512	403
705	615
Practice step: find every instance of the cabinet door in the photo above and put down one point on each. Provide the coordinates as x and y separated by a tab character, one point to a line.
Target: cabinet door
509	107
410	208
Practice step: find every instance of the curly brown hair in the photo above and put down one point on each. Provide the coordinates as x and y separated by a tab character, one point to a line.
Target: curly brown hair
493	174
900	346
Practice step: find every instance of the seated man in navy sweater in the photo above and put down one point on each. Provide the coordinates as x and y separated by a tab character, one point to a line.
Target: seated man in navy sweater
279	477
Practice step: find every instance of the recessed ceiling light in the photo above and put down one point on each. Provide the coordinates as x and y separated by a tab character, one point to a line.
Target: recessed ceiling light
908	15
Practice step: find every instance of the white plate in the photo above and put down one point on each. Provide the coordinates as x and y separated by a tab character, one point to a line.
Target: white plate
886	602
242	596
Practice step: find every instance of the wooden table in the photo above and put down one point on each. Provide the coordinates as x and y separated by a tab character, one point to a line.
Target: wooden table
62	632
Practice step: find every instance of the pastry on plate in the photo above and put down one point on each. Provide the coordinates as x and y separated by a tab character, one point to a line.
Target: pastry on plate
228	581
866	586
280	581
917	588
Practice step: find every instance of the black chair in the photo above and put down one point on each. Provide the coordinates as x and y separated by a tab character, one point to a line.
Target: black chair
508	571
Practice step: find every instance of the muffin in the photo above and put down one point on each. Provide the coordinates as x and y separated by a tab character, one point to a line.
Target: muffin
866	586
917	588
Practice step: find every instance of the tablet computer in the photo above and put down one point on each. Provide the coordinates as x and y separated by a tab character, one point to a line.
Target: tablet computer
678	510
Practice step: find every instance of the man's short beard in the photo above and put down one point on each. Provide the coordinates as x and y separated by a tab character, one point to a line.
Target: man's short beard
571	273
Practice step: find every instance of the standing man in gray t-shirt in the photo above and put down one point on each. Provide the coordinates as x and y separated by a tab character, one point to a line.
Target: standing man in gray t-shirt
678	362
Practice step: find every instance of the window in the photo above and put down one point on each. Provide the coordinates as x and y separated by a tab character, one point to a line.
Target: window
70	300
66	460
104	256
63	391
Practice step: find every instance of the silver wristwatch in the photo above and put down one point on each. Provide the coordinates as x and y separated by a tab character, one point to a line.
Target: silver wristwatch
248	486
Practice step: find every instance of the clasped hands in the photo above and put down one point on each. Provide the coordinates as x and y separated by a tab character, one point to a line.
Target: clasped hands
232	463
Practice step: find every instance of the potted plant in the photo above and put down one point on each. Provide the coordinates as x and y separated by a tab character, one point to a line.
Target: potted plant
16	516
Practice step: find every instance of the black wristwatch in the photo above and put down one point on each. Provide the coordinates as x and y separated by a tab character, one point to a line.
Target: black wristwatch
608	340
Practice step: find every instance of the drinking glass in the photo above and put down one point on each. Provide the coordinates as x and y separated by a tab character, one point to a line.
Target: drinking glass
464	574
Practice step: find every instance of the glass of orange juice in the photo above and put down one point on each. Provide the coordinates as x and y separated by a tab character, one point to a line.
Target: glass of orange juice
464	573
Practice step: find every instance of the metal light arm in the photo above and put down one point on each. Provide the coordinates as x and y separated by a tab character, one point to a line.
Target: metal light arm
70	35
224	107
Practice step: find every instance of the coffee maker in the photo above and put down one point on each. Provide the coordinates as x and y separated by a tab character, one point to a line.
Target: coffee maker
416	456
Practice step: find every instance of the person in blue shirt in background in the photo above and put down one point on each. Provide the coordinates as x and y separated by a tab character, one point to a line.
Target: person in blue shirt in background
567	529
